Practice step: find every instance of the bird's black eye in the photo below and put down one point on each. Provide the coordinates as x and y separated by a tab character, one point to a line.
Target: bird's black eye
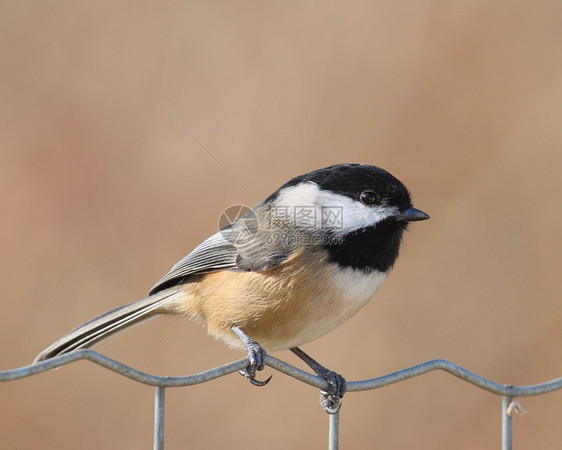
368	197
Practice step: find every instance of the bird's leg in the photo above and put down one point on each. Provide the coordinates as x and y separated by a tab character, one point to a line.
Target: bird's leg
330	400
256	356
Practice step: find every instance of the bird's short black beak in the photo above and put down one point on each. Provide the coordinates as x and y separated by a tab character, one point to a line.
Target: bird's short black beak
411	215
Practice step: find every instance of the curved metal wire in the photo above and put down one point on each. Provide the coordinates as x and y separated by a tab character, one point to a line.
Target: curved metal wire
281	366
508	392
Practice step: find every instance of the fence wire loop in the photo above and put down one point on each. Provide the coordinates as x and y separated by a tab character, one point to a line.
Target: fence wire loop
507	391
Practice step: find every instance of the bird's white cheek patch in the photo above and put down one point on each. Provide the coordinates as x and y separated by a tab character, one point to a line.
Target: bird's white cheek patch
306	205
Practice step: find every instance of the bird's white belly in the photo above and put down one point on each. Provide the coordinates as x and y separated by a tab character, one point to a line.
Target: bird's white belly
349	290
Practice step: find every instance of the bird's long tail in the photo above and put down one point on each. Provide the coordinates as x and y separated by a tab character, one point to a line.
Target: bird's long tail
112	322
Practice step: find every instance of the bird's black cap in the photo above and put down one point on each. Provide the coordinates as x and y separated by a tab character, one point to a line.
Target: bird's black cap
351	180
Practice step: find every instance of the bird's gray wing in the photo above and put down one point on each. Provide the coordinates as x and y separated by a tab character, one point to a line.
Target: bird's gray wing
215	253
233	248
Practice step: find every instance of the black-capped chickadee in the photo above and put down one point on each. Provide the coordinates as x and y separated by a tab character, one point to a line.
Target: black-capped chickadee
290	270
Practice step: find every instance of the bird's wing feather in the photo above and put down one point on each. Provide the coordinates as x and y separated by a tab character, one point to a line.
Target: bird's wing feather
224	251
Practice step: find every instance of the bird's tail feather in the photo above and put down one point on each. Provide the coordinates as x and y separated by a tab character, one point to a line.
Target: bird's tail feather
110	323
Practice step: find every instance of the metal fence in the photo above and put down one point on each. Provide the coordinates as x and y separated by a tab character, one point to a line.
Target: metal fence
508	392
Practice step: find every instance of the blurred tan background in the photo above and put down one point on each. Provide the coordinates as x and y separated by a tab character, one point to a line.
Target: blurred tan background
102	191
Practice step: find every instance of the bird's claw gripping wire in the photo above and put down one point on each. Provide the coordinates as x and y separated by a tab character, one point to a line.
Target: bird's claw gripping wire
252	378
256	357
330	400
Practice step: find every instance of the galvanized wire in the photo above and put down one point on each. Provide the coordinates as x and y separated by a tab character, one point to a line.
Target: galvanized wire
159	409
507	424
508	392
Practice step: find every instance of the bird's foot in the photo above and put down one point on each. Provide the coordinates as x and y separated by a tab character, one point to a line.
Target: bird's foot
256	357
330	400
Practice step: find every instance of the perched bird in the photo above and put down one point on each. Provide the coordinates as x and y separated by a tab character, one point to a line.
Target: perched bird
290	270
